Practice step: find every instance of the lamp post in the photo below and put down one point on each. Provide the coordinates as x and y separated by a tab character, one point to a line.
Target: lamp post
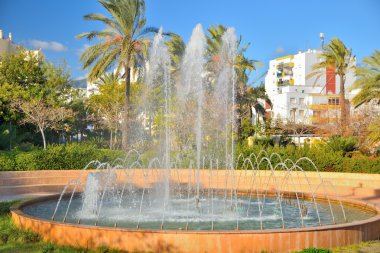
322	38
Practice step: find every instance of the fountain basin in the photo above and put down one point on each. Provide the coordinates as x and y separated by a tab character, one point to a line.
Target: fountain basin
272	240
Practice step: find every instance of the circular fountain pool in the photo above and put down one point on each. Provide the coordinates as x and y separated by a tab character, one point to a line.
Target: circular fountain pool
216	213
363	223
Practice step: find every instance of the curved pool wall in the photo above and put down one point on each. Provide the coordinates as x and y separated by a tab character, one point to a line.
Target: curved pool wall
271	240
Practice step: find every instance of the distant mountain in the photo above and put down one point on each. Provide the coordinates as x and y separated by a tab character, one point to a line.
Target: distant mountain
80	83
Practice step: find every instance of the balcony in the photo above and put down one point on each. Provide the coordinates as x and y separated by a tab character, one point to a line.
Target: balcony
286	65
315	119
285	82
284	73
323	107
285	57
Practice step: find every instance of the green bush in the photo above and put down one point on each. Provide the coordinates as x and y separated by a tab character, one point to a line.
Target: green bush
70	156
77	156
324	158
7	161
25	161
338	143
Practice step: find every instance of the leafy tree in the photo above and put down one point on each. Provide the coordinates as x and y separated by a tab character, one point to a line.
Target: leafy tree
109	104
58	88
19	72
78	125
368	80
122	44
21	68
338	57
23	78
41	114
298	129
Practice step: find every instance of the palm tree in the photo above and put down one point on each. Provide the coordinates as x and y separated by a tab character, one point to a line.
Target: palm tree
368	80
338	57
242	65
176	47
251	99
123	44
108	79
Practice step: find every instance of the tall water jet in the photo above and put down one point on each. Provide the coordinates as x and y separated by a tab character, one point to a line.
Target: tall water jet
158	76
224	92
192	86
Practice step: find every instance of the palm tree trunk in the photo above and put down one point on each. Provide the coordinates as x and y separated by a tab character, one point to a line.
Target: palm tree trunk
342	102
125	124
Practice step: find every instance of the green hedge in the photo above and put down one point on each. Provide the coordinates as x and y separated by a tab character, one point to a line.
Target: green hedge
323	157
77	156
72	156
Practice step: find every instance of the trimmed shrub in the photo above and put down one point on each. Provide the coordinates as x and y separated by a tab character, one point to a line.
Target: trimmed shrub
70	156
25	161
322	156
7	161
77	156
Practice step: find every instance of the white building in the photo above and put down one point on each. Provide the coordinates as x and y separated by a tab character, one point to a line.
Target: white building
298	98
7	46
92	88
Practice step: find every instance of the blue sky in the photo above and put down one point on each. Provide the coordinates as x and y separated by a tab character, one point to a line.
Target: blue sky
274	28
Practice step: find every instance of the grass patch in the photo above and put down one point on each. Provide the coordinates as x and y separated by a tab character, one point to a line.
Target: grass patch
364	247
14	240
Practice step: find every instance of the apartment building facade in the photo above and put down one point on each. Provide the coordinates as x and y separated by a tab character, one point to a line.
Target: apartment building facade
298	97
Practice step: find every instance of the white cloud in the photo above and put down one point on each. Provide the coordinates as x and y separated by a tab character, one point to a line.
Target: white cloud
80	51
48	45
81	77
280	50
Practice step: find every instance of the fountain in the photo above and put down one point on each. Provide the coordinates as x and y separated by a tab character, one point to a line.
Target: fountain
197	188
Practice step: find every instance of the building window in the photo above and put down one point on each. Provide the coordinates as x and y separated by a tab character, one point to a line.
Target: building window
293	100
302	101
316	114
333	101
293	115
301	113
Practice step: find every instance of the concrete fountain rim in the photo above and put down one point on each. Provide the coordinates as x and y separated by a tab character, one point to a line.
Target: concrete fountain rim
16	210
